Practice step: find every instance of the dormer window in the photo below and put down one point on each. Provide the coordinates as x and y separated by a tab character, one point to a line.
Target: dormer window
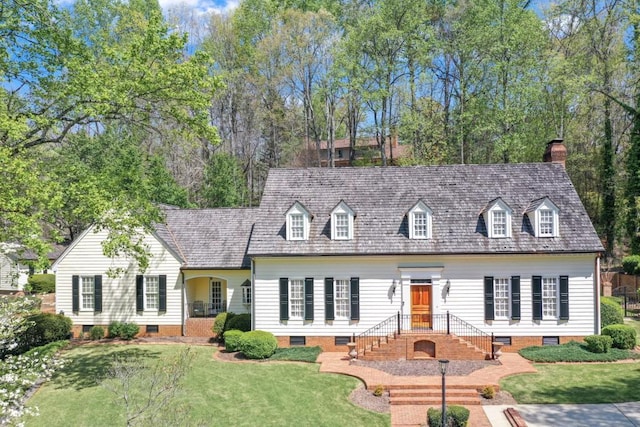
298	218
420	221
342	222
544	216
497	217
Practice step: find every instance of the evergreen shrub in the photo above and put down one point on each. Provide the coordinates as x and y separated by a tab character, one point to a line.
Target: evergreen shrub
46	328
598	343
258	344
241	322
232	339
96	333
611	313
220	324
623	336
631	264
457	416
42	283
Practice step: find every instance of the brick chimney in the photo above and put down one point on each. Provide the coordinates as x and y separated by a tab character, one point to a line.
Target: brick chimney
556	152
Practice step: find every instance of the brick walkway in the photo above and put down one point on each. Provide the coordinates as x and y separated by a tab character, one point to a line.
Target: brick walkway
416	415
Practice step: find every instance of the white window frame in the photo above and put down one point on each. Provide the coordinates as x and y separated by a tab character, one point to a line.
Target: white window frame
498	207
151	296
246	295
87	297
216	296
294	214
296	299
550	297
535	217
502	297
420	209
546	226
342	298
338	226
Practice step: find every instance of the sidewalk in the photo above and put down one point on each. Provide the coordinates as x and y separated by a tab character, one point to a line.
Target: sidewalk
416	415
596	415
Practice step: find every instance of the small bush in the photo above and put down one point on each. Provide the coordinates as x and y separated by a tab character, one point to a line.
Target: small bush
631	264
220	324
488	392
46	328
42	283
457	416
598	343
611	313
241	322
96	333
232	339
379	390
258	344
125	331
623	336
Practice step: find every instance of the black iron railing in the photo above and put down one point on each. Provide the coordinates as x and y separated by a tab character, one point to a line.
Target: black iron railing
203	309
446	324
378	334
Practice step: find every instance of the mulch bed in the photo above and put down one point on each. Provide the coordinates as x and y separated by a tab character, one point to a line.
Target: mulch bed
426	367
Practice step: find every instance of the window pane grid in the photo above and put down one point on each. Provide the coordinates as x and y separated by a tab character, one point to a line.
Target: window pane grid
501	297
499	223
420	224
296	298
342	225
549	297
151	292
342	298
546	223
87	292
216	294
297	226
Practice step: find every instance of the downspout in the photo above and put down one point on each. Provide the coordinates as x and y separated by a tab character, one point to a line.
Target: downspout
182	312
597	295
253	295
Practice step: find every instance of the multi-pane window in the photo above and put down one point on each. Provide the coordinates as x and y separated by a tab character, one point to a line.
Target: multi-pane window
499	221
419	225
296	298
546	222
297	226
549	297
501	297
215	295
151	286
87	292
342	298
342	225
246	295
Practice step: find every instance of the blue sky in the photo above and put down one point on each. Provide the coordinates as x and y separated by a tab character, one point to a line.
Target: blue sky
203	6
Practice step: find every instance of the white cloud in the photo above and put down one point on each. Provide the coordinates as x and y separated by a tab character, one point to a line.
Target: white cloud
218	7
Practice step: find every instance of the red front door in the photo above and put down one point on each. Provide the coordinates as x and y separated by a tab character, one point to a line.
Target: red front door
421	306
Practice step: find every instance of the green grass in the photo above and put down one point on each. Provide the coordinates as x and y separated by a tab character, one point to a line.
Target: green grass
577	383
574	352
218	393
297	354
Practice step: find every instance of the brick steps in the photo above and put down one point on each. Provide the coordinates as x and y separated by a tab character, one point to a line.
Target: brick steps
402	348
433	397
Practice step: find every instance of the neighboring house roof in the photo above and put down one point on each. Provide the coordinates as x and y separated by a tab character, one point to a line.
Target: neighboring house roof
455	193
209	238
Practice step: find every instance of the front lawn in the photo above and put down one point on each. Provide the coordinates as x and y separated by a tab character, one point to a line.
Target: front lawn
217	393
574	352
576	383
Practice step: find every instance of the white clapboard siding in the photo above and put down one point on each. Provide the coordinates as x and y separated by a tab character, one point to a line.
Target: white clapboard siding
9	274
85	257
465	275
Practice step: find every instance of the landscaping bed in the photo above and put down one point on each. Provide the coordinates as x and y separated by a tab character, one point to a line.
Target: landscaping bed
426	367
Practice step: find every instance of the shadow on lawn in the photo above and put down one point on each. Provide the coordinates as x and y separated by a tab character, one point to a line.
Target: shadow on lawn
615	390
88	366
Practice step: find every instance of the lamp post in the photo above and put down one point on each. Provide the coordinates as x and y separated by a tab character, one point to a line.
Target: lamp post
443	370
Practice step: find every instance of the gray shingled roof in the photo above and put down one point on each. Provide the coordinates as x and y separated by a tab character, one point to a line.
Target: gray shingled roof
456	194
208	238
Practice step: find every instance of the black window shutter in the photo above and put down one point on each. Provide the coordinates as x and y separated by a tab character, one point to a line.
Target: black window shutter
75	293
162	293
488	299
564	297
536	285
515	297
97	293
139	293
284	298
355	298
328	299
308	298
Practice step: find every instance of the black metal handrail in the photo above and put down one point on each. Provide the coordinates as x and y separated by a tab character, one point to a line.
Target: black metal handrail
447	324
379	333
204	309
